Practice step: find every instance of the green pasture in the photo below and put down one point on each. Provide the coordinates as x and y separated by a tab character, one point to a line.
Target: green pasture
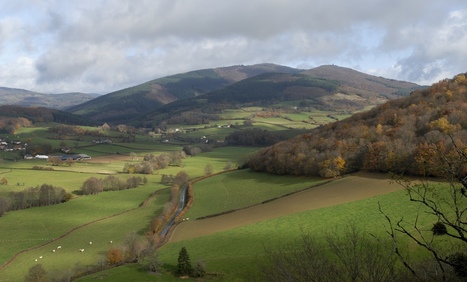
236	114
29	228
238	252
20	179
240	189
130	272
266	125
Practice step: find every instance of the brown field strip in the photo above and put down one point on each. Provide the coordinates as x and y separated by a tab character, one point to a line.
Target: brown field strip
344	190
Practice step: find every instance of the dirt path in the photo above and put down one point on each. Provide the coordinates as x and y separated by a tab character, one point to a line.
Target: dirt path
351	188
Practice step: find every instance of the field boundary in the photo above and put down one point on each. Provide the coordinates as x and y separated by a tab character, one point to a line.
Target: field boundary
268	200
144	203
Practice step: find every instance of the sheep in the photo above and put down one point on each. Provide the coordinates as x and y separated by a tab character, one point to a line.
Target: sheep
81	250
59	247
53	251
40	257
90	243
111	242
35	260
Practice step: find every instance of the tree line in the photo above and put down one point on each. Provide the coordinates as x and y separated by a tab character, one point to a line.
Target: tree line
409	135
43	195
94	185
152	162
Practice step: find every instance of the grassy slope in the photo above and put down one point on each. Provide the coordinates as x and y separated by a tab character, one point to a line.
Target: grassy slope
240	250
240	189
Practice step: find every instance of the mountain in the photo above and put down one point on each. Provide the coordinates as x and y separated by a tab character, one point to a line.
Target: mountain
21	97
329	88
322	87
410	135
361	84
123	105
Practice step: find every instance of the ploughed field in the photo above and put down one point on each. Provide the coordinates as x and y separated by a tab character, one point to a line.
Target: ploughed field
339	191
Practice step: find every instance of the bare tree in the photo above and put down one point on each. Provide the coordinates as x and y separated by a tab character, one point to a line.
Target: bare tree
446	204
352	256
36	273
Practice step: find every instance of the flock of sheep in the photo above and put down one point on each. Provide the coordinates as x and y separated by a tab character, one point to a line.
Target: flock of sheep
59	247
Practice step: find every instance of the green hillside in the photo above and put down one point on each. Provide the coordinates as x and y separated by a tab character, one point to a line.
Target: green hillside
122	105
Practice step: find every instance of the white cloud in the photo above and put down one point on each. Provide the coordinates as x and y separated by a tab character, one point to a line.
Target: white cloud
105	45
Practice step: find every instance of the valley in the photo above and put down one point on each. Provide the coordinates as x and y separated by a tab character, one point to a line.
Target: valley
262	172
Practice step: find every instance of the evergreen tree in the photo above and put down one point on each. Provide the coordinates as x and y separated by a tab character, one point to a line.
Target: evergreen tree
184	267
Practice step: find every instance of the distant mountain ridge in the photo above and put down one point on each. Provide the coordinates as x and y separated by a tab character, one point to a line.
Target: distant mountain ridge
147	98
21	97
125	104
317	92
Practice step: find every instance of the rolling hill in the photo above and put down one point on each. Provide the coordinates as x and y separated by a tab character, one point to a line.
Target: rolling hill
125	104
410	135
329	88
21	97
325	86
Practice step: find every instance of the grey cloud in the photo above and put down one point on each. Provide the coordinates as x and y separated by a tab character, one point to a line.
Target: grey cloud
107	45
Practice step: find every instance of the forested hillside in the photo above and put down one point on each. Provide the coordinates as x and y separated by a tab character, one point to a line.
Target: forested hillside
409	135
15	117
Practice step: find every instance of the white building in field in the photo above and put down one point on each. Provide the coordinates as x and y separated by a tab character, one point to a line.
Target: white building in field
41	157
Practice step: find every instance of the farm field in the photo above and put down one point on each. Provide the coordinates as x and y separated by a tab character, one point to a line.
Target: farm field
241	235
233	245
345	190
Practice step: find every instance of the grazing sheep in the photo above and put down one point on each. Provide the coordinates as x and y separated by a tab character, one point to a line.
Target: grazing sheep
59	247
81	250
53	251
111	242
35	260
40	257
90	243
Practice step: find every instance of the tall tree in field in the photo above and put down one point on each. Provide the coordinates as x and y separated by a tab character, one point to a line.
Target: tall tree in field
184	267
208	169
37	273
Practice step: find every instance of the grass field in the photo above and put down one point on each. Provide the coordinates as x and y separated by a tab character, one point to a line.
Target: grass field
231	244
238	248
240	189
234	244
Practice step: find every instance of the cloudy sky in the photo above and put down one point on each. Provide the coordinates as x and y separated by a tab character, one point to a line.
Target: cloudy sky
99	46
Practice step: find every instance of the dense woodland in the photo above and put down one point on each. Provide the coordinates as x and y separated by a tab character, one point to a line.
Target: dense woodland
409	135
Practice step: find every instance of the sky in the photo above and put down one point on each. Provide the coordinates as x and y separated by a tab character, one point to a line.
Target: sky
100	46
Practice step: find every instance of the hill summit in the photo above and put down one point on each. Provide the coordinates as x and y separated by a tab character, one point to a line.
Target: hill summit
326	85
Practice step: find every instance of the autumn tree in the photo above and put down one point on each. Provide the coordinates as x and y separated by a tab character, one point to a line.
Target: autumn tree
114	255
